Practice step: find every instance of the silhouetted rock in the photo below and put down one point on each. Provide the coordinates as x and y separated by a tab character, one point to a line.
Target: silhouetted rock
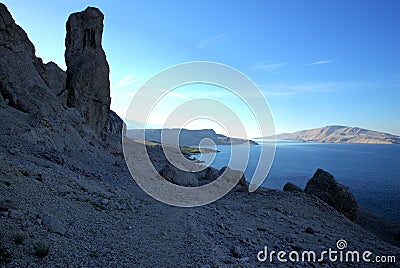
55	78
115	124
290	187
324	186
88	83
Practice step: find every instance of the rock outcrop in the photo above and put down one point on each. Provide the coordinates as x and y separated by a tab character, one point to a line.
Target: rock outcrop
88	83
290	187
115	124
324	186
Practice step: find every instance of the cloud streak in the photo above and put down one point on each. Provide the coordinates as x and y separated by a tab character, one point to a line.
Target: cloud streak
294	89
211	41
265	67
319	62
126	81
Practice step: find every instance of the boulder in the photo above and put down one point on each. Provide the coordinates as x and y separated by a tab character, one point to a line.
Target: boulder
54	225
324	186
234	174
179	177
88	83
290	187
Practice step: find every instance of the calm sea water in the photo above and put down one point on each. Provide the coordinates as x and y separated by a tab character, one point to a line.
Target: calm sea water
372	172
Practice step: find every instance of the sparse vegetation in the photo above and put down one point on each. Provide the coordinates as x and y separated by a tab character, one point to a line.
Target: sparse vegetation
19	239
5	253
41	249
93	254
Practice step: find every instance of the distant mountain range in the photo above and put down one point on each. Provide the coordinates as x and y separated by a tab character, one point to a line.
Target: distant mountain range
187	137
340	134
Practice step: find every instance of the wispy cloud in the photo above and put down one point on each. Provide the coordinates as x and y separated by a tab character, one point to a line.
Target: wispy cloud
320	87
174	94
319	62
211	41
126	81
265	67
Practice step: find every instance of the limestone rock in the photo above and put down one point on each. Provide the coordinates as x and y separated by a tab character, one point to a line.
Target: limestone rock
7	204
88	83
54	225
233	174
19	78
324	186
15	214
115	124
290	187
55	78
179	177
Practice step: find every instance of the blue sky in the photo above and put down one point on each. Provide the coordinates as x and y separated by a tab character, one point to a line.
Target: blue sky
317	62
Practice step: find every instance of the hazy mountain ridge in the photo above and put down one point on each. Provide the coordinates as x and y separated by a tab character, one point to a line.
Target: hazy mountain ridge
187	137
341	134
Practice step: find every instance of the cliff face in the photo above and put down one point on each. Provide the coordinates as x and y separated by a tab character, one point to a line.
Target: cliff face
34	115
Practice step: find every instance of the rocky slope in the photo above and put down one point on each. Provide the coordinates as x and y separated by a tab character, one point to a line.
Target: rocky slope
68	200
341	134
187	137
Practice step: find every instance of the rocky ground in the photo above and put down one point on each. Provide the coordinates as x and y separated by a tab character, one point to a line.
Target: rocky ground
104	219
68	200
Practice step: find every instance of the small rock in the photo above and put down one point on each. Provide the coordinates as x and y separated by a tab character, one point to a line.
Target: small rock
54	225
235	251
262	229
14	151
105	202
4	213
6	205
39	221
310	230
15	214
244	259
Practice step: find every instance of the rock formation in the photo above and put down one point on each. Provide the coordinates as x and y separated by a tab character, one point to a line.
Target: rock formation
290	187
88	83
115	124
324	186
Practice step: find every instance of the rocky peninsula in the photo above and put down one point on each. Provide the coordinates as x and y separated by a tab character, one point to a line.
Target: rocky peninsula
340	134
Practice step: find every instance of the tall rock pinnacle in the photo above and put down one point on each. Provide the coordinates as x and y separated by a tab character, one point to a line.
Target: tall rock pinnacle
88	83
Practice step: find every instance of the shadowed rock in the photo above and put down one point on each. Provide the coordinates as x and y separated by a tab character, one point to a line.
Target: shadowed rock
290	187
88	83
324	186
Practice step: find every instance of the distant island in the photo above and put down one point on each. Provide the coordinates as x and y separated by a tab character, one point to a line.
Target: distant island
340	134
187	137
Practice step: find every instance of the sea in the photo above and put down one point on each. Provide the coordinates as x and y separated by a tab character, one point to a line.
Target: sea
371	171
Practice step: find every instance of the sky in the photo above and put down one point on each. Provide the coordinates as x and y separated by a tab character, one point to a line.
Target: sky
317	63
